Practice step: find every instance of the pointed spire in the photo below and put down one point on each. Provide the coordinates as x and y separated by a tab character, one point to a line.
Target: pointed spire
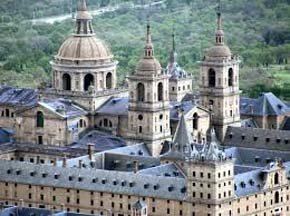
83	20
82	5
219	34
173	54
149	48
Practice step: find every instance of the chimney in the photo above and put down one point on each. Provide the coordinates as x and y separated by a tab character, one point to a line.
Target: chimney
54	162
21	203
91	151
62	207
64	161
136	166
80	164
37	159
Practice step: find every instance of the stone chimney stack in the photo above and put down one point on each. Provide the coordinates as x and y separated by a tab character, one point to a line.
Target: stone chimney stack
64	161
91	151
80	164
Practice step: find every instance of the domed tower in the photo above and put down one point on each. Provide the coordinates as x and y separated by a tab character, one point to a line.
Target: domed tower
83	61
219	87
148	112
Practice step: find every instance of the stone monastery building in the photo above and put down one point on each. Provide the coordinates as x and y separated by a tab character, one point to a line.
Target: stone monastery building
87	146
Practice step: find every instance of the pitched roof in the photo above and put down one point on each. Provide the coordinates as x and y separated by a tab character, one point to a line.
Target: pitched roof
5	135
286	124
257	138
266	105
62	107
94	180
18	96
115	106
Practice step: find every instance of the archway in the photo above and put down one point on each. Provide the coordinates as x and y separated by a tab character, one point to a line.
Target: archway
160	92
276	197
211	78
109	81
231	77
66	82
276	178
140	92
88	81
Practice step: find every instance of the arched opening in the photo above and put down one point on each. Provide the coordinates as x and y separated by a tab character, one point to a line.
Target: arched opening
276	178
39	119
211	78
105	122
160	92
66	82
88	81
7	112
81	123
109	81
195	121
140	92
276	197
231	77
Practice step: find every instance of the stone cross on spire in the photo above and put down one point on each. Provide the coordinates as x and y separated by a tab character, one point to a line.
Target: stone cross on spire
149	48
173	54
83	5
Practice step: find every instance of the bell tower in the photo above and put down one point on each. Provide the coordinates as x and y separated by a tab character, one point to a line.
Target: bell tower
148	112
219	86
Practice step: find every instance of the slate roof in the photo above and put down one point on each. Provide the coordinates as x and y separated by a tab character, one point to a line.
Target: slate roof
257	138
25	211
5	136
115	106
18	96
102	141
266	105
169	170
94	180
177	107
62	107
286	124
174	70
249	123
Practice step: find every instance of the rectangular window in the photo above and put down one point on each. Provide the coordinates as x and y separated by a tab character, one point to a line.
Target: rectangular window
40	140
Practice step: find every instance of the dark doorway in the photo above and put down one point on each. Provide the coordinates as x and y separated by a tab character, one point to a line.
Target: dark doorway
88	81
66	82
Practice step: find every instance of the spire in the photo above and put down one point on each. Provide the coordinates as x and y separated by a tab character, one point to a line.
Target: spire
219	34
173	54
149	48
83	20
82	5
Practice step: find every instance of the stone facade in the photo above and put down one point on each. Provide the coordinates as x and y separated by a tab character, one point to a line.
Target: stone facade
148	112
219	86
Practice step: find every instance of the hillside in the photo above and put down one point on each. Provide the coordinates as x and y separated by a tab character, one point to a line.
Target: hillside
258	31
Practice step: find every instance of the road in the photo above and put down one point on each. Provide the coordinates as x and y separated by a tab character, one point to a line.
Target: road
53	19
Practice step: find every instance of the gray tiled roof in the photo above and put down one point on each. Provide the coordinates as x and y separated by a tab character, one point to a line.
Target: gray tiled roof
18	96
169	170
249	123
5	136
257	138
94	180
115	106
177	107
266	105
286	124
102	141
62	107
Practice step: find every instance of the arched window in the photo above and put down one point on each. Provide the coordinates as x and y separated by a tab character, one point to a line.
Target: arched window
7	112
110	124
211	78
160	92
276	178
195	121
109	81
88	81
81	123
276	197
105	122
39	119
231	77
66	82
140	92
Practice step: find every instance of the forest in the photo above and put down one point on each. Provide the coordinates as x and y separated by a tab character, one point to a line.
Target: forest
258	31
